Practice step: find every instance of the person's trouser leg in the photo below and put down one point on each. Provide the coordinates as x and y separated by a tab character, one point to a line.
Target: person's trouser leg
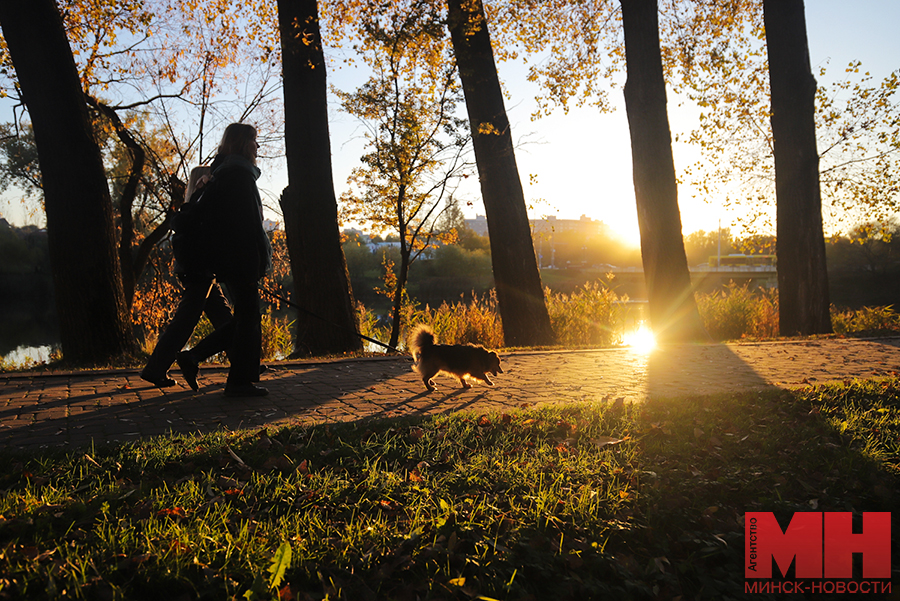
244	351
177	333
220	315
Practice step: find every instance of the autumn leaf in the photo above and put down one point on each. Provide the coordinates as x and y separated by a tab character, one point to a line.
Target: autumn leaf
388	505
285	593
604	441
280	562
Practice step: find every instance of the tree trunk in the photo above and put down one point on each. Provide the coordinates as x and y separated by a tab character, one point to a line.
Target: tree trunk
403	274
94	323
803	303
402	277
673	311
321	280
130	270
520	296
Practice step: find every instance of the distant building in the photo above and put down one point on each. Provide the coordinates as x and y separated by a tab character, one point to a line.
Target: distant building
584	226
547	225
478	225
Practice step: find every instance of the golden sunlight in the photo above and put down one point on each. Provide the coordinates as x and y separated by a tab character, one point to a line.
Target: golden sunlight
641	339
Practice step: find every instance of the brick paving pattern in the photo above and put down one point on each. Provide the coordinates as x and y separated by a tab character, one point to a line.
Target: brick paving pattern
75	409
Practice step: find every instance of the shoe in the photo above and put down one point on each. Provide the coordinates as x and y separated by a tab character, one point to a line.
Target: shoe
189	369
163	382
243	390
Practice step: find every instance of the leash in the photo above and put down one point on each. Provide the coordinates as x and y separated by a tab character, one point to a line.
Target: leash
328	321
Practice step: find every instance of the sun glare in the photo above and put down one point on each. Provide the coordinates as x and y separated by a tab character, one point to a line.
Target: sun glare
641	339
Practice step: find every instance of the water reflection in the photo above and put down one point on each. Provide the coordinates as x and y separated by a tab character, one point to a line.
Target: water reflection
28	326
29	356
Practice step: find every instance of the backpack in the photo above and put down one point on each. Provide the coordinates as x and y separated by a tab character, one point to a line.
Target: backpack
189	239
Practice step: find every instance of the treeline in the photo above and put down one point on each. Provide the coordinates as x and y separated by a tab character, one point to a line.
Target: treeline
26	289
863	266
23	249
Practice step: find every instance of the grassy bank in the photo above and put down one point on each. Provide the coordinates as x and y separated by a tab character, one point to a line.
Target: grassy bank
600	500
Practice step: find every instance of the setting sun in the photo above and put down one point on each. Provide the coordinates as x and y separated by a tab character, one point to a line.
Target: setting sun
641	339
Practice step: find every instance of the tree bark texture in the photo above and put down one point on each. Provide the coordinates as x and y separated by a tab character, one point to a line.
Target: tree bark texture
94	323
803	301
673	310
127	260
321	279
520	296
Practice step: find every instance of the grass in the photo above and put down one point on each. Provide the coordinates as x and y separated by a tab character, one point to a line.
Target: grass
590	501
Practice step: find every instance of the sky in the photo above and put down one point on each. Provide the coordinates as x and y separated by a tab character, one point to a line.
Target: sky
580	163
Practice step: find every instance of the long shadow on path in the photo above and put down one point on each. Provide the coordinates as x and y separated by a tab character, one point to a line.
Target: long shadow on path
77	409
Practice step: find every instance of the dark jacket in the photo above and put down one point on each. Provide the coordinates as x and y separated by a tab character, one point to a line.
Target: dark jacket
238	247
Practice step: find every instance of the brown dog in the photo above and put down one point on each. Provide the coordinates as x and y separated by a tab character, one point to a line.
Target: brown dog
458	360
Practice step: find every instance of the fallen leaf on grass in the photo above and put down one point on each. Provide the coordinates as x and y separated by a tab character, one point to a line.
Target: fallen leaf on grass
389	505
175	512
280	462
602	441
285	594
225	482
461	581
565	425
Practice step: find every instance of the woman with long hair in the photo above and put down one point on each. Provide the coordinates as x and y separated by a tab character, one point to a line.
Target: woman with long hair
239	254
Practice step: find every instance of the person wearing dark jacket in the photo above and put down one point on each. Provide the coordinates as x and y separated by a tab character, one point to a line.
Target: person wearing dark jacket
239	253
200	294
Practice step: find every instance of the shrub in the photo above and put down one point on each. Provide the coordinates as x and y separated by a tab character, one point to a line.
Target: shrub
277	342
867	319
477	322
738	312
592	315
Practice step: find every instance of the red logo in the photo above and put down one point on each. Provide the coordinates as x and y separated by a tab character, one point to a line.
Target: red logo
821	545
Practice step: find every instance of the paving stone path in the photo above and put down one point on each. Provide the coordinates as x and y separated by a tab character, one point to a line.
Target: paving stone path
75	408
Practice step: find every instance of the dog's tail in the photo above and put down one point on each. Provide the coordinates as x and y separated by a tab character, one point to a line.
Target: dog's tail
422	337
